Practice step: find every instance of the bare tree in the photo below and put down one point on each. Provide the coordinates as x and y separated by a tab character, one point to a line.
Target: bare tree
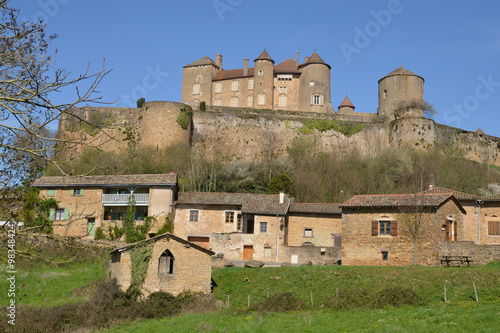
427	108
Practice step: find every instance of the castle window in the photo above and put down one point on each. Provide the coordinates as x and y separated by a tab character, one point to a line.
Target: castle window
385	93
250	101
218	88
317	99
282	101
196	89
234	102
218	102
250	84
166	263
234	86
282	90
262	99
311	83
285	77
261	72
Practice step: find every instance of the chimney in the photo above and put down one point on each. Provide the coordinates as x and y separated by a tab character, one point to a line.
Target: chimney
218	60
431	186
305	59
297	58
282	197
245	67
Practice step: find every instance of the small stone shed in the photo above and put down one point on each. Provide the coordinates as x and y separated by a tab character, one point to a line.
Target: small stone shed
173	265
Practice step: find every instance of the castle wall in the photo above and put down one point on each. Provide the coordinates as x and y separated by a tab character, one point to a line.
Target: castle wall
315	79
395	89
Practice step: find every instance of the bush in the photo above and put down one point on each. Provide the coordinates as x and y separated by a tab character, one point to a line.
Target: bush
99	233
184	118
280	302
140	102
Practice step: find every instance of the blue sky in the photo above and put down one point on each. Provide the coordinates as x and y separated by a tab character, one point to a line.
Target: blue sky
453	44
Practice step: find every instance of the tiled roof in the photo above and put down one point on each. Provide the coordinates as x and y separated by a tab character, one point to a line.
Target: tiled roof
456	194
315	59
287	66
480	132
165	235
232	73
492	197
401	71
249	202
320	208
121	180
264	56
396	200
346	102
201	62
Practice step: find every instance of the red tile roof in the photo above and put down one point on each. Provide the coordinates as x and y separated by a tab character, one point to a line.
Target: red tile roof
397	200
249	202
110	180
458	195
287	66
201	62
401	71
480	132
346	102
493	197
233	73
265	56
320	208
315	59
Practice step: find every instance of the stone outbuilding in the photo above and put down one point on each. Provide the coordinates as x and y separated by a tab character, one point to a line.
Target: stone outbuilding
175	265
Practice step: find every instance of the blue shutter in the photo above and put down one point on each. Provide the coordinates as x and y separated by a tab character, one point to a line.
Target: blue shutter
50	192
66	214
52	214
81	191
72	192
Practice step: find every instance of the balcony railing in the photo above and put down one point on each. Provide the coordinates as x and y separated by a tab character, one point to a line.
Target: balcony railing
141	199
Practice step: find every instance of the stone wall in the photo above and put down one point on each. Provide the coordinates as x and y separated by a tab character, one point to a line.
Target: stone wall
317	254
324	227
480	254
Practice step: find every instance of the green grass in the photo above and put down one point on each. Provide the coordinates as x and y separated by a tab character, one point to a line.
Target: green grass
45	285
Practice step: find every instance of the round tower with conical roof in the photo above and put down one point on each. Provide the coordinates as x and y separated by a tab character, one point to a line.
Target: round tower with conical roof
263	81
401	94
346	106
314	85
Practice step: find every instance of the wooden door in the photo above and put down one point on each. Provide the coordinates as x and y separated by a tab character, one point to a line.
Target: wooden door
91	227
247	252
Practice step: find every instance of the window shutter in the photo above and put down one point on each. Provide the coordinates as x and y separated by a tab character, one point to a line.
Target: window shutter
66	214
456	229
491	228
50	192
81	191
72	192
312	99
497	228
374	228
52	214
394	228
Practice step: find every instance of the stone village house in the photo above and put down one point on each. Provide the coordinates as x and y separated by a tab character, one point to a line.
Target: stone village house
176	265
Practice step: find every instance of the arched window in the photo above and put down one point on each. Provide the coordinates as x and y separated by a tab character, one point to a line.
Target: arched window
166	263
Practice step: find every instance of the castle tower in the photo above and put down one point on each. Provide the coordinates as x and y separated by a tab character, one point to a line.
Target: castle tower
402	90
346	106
263	91
314	85
197	79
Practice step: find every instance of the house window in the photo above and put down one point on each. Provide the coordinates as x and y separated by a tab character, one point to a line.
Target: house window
262	99
234	102
494	228
61	214
239	224
166	263
51	192
250	84
250	101
218	102
193	215
76	192
317	99
229	217
282	90
196	89
282	101
308	232
234	86
218	88
385	256
263	227
385	227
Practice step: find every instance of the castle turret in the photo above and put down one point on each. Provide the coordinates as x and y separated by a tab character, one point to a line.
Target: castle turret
314	85
346	106
263	90
197	79
401	94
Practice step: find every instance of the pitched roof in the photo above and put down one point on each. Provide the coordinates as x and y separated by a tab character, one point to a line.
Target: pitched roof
399	200
110	180
201	62
493	197
233	73
401	71
165	235
346	102
264	56
458	195
480	132
315	59
320	208
249	202
287	66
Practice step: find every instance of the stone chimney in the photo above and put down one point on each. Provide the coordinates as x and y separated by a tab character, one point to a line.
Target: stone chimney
282	197
218	61
245	67
297	57
305	59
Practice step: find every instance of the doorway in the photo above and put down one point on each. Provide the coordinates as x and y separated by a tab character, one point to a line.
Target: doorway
91	227
247	252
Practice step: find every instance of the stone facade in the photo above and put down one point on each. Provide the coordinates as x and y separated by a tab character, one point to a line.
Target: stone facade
189	270
480	254
490	222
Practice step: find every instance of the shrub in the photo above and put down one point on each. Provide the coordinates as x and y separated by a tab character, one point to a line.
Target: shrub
184	118
280	302
99	233
140	102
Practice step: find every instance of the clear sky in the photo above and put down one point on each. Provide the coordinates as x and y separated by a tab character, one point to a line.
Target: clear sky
453	44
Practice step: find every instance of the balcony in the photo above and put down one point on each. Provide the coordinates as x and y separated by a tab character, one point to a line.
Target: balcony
141	199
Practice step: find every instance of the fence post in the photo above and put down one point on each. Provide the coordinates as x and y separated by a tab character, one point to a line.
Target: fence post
249	301
475	291
445	300
312	298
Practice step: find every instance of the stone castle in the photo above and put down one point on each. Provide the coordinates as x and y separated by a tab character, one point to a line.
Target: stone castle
250	111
